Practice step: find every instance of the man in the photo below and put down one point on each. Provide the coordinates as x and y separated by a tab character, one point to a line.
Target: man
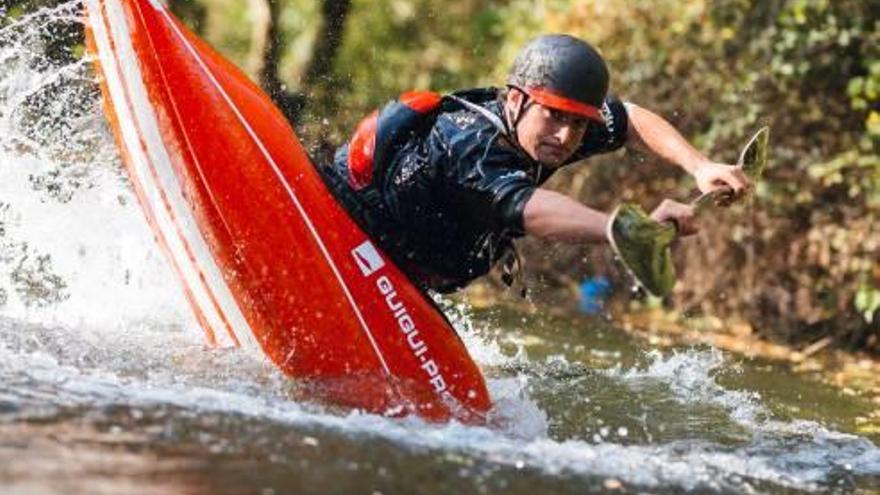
445	184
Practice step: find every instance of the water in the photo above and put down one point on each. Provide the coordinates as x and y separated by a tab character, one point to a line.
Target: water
106	386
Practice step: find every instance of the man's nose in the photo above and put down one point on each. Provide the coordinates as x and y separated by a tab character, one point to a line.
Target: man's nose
563	133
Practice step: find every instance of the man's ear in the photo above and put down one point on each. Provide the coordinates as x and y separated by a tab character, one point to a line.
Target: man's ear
514	99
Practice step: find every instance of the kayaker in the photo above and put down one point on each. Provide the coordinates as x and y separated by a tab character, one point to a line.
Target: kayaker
445	184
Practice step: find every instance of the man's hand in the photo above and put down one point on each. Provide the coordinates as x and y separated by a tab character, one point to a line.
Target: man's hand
679	213
652	133
712	176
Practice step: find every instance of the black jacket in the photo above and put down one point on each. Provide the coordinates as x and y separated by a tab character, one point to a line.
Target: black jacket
446	201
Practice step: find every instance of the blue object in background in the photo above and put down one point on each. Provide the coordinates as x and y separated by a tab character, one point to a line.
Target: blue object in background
594	291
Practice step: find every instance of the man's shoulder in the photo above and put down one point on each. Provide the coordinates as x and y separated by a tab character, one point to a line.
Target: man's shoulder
466	131
474	117
461	112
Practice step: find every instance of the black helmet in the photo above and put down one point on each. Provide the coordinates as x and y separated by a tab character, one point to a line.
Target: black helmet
562	72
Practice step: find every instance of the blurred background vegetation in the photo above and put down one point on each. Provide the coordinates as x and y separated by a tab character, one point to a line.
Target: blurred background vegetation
800	263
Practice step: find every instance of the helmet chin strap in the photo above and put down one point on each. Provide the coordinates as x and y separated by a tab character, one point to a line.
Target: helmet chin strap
516	115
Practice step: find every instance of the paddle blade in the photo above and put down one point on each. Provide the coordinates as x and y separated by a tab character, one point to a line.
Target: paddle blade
753	158
642	245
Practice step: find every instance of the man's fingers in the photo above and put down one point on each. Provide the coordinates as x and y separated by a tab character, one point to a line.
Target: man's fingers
733	184
726	198
687	226
714	176
739	181
682	215
684	218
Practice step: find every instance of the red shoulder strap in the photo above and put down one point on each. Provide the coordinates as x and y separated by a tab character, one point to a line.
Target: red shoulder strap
421	101
362	147
360	152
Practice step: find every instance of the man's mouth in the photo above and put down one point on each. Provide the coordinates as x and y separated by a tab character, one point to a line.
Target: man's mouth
554	151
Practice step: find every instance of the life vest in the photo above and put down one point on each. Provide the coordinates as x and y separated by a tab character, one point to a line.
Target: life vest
383	131
375	141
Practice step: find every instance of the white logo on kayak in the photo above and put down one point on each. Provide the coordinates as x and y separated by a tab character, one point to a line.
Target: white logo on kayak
368	258
370	261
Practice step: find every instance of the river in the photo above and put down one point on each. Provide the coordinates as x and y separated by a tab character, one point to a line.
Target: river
106	385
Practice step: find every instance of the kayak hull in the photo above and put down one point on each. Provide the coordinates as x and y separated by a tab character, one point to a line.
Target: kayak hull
265	255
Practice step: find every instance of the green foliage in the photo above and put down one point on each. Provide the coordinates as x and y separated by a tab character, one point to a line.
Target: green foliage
828	54
868	302
392	46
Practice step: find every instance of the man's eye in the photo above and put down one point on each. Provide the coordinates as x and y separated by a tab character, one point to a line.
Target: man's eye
567	118
575	121
557	115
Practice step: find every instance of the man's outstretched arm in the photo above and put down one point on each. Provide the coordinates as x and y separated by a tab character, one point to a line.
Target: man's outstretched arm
557	217
554	216
651	132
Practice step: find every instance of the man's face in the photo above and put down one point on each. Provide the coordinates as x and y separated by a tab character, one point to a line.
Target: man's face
549	136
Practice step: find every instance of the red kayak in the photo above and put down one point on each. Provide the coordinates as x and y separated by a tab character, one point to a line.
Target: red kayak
265	255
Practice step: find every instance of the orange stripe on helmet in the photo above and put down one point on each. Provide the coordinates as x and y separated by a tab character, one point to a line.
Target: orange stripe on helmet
548	98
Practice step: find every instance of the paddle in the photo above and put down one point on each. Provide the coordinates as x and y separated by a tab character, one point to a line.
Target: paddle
643	245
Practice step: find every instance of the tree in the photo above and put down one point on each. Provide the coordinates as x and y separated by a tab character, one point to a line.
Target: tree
266	50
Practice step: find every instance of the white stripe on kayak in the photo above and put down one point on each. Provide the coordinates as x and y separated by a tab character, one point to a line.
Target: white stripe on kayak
96	30
221	302
287	187
123	81
152	194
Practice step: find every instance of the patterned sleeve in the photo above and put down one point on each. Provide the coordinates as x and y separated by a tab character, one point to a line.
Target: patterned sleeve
483	183
607	137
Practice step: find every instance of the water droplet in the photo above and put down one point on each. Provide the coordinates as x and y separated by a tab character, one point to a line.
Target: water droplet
612	484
